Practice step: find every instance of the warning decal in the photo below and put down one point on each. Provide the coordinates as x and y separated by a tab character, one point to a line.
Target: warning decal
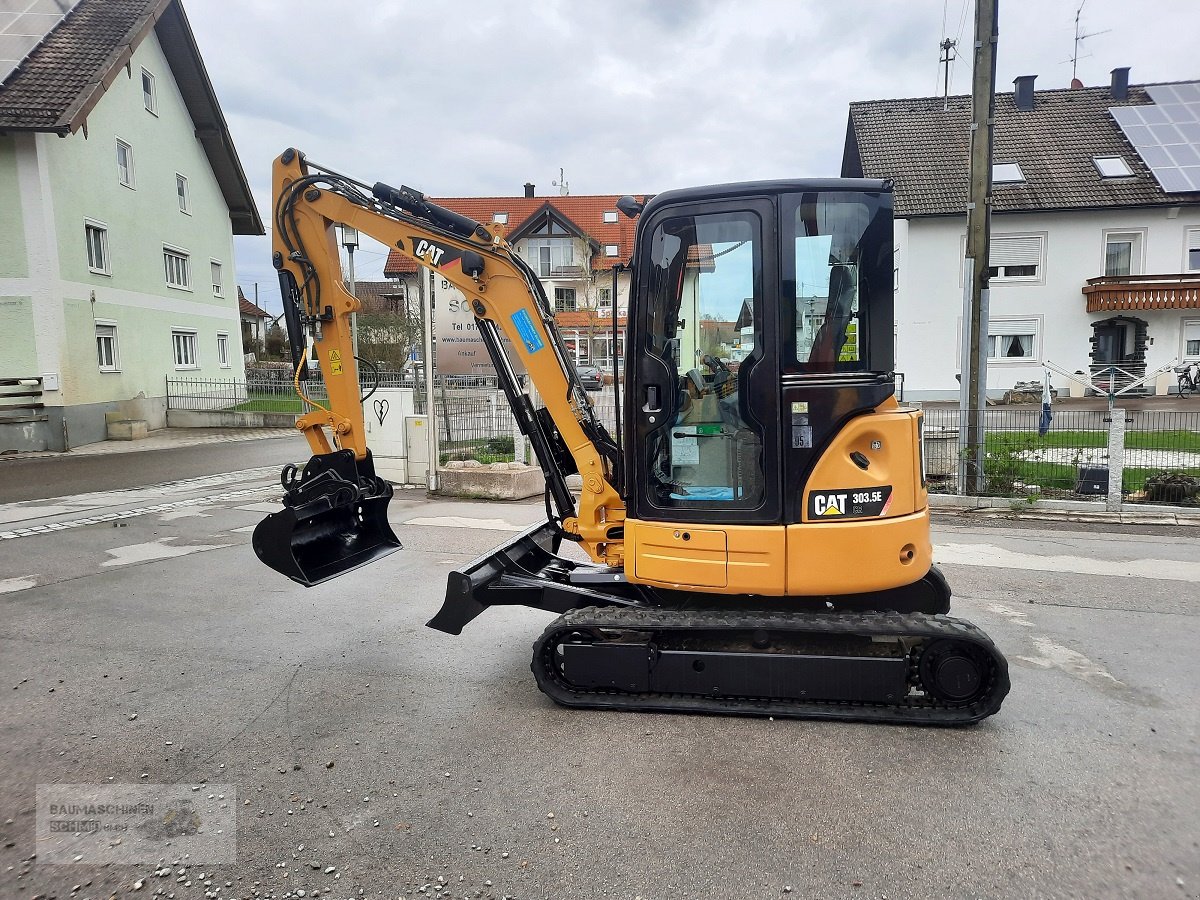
335	362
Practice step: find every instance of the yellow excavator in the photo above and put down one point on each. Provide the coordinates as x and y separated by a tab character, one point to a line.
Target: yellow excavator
757	526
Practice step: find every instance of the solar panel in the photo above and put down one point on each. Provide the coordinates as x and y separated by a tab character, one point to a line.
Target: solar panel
23	25
1166	134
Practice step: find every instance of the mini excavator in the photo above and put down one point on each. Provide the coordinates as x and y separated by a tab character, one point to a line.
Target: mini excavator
756	528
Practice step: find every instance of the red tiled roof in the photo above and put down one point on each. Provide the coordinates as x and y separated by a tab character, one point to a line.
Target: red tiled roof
585	211
246	308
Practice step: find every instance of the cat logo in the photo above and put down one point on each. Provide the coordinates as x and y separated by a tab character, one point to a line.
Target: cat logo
830	504
432	251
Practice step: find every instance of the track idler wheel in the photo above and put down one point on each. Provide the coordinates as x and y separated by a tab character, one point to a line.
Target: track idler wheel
953	672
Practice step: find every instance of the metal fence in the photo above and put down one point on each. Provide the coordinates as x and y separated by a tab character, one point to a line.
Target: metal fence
1159	454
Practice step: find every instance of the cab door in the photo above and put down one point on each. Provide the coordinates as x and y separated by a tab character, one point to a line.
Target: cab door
704	370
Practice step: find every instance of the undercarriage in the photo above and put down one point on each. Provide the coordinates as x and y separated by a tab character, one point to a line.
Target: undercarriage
888	657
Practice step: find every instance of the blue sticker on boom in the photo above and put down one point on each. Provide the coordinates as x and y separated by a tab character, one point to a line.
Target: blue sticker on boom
529	336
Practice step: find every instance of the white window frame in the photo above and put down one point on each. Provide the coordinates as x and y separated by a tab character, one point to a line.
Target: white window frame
560	254
610	217
129	167
1007	173
998	239
604	298
574	299
499	218
1008	326
1191	242
1103	163
223	350
185	350
184	196
149	100
90	225
1137	252
1184	326
612	250
218	283
115	351
179	252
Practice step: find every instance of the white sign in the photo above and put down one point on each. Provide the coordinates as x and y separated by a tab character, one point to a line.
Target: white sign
460	349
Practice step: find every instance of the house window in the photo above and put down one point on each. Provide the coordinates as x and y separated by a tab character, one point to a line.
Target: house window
97	247
124	164
106	348
1123	253
1193	250
181	191
500	218
610	216
564	299
183	343
1013	340
177	265
1191	340
148	96
223	350
611	249
1007	173
552	257
605	298
1016	257
1112	166
218	289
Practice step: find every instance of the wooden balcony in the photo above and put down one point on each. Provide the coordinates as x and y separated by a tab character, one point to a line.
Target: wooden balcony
1120	293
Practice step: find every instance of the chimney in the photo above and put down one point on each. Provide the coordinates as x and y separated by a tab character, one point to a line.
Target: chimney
1119	89
529	189
1024	92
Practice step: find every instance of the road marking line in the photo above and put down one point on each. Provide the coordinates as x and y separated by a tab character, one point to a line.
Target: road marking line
11	585
998	557
465	522
51	527
1017	617
151	550
1056	656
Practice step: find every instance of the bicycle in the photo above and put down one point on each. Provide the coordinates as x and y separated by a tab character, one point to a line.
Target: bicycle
1189	378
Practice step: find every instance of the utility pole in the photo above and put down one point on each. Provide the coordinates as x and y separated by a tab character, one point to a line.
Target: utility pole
946	57
972	397
431	430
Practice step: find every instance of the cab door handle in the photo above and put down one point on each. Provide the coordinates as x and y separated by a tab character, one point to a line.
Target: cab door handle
652	402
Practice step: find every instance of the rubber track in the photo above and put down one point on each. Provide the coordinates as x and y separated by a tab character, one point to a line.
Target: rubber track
911	711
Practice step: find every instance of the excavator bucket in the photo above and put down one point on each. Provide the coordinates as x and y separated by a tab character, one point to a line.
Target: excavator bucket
334	519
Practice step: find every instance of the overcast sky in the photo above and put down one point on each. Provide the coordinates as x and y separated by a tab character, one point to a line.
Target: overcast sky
465	98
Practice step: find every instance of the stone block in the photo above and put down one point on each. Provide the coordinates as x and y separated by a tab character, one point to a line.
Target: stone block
126	429
498	481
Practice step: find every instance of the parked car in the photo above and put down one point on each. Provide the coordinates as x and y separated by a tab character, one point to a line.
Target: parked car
590	377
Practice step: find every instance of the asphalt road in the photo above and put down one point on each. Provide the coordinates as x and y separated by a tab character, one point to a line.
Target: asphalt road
332	709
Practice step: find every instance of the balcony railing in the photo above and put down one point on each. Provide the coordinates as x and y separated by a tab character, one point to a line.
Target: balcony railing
1115	293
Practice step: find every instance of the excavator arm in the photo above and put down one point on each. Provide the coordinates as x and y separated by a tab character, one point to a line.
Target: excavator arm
335	515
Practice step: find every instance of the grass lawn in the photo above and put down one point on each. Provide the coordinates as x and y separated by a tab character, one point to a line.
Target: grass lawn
261	401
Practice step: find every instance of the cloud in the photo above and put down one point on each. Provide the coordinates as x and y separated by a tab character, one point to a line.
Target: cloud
470	98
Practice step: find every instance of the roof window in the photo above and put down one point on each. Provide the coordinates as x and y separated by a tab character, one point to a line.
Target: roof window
610	216
1007	173
500	218
1112	166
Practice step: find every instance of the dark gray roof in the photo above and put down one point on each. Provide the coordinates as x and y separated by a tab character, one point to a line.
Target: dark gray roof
63	78
922	144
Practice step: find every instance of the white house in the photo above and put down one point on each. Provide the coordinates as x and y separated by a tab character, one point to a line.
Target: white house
120	192
1095	256
575	244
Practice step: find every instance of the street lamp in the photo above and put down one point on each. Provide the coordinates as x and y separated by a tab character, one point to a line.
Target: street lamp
350	242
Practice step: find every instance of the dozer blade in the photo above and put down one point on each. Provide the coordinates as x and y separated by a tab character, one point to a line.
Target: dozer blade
334	519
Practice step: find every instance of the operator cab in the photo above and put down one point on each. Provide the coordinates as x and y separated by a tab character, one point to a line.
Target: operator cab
763	314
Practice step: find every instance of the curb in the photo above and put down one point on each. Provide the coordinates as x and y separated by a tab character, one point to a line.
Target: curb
1062	511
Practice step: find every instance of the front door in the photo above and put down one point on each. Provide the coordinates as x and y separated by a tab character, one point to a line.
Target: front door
706	371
